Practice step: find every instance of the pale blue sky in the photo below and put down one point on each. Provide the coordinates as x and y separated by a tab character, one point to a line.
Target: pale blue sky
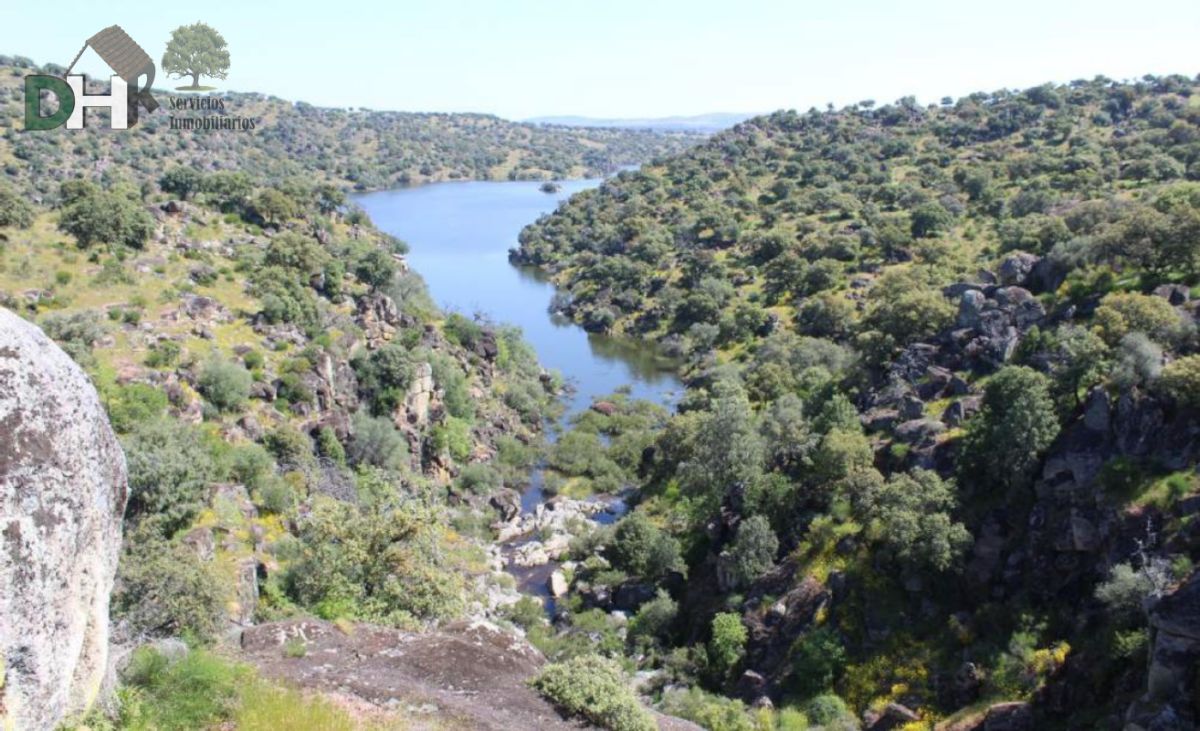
626	58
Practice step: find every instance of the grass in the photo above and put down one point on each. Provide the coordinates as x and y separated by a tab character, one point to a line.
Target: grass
204	690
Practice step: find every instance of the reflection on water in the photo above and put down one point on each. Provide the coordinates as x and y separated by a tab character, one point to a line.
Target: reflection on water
460	234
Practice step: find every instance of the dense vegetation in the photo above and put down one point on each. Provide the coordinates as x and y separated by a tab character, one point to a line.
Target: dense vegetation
306	433
365	149
916	470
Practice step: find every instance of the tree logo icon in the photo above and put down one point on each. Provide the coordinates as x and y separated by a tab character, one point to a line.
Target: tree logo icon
196	50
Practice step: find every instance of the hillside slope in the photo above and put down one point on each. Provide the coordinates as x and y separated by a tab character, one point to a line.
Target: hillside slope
368	150
938	451
307	433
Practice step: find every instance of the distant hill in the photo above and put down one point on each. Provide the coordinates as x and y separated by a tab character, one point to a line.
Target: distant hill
362	149
699	123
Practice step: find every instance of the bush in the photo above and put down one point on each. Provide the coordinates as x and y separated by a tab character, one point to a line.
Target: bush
292	449
1016	423
165	588
1121	313
594	687
753	550
727	645
818	659
105	217
133	404
453	437
712	712
640	548
480	479
830	712
170	468
384	376
15	211
379	562
200	690
75	333
376	442
1181	380
654	618
225	384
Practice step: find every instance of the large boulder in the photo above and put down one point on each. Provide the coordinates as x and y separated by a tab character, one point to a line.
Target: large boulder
62	495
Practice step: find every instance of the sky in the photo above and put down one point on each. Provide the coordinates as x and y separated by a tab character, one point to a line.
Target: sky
634	58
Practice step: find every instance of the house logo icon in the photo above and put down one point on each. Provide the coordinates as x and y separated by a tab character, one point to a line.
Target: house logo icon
128	62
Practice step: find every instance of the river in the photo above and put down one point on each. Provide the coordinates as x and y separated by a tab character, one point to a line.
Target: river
459	234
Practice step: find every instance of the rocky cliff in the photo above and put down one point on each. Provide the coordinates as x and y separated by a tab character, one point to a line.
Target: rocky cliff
62	496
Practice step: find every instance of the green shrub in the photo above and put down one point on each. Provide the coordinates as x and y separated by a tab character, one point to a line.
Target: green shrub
479	478
171	466
330	447
384	376
727	645
453	437
106	217
163	587
642	549
75	333
594	687
654	618
712	712
133	404
15	211
379	562
162	354
1181	380
377	442
1121	313
753	549
830	711
253	360
224	384
293	449
818	659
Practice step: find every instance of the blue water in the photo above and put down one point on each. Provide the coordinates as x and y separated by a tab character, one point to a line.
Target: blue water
460	233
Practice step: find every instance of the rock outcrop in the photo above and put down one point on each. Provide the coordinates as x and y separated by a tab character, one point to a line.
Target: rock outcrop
469	674
62	495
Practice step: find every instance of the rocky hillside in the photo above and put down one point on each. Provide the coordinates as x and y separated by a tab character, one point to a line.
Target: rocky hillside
359	148
937	461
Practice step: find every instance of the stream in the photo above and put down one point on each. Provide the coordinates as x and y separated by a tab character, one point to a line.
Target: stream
459	234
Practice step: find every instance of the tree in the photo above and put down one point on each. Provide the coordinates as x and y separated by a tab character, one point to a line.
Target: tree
165	588
642	548
753	550
818	659
196	50
1015	425
1181	379
99	216
911	512
225	384
375	269
728	644
1120	313
273	206
170	468
15	211
181	180
727	450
